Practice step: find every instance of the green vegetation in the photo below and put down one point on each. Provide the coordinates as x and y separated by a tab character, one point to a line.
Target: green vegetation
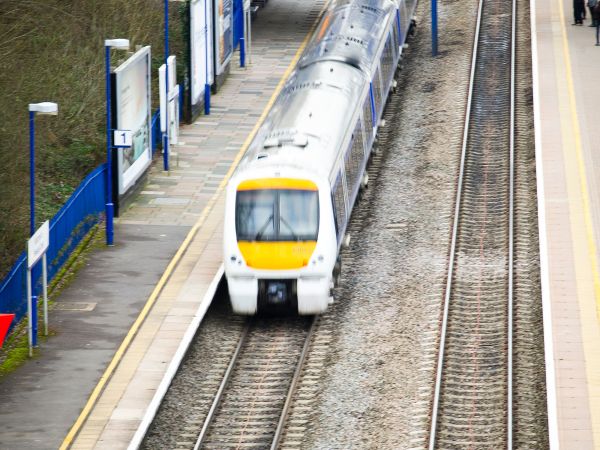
52	50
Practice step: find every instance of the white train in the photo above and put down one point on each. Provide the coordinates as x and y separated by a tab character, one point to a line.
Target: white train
289	202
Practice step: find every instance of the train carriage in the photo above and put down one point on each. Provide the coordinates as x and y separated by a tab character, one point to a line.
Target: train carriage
290	199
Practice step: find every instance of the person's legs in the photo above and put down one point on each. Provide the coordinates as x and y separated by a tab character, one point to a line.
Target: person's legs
597	32
578	15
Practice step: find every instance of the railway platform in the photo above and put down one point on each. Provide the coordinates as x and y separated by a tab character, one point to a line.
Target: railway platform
121	320
567	64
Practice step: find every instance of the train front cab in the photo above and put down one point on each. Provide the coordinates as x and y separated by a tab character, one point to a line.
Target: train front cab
280	246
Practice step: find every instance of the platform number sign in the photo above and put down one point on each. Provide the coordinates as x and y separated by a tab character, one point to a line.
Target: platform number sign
122	138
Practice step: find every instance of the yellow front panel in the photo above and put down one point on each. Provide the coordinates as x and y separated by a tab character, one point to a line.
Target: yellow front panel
277	255
277	183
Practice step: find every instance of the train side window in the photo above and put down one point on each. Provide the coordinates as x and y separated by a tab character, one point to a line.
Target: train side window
358	147
350	168
368	119
339	203
377	89
388	59
396	36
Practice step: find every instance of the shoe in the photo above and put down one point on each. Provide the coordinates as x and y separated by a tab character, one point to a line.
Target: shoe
597	44
592	25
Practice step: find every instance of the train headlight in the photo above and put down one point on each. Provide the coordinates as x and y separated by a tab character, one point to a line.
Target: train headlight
235	258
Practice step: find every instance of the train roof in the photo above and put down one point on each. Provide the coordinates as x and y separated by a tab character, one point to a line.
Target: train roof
351	32
312	116
309	120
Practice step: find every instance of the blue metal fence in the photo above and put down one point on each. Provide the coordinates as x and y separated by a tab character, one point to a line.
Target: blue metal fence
67	228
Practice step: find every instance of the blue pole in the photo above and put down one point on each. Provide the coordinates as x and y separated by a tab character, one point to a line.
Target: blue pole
434	28
242	52
206	84
31	172
166	134
32	219
109	204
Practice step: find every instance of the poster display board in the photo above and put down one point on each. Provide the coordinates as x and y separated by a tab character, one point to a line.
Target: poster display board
133	111
223	34
201	36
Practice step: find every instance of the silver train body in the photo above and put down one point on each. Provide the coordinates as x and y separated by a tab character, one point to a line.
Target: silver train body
289	201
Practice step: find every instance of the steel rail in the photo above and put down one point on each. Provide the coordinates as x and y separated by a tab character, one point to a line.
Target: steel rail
440	362
509	418
452	256
292	389
226	378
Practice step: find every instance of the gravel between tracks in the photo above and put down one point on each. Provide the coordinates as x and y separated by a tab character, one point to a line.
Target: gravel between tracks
377	387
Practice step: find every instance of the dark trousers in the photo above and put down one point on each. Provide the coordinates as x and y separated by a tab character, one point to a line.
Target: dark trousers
594	22
597	32
578	10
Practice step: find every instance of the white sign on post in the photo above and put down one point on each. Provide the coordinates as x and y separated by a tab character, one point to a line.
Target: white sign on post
38	244
173	101
122	138
172	115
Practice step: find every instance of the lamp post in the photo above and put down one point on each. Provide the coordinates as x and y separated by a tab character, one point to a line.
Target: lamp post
44	108
434	28
120	44
166	133
206	81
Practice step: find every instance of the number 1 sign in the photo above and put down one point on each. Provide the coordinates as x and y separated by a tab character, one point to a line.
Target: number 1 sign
122	138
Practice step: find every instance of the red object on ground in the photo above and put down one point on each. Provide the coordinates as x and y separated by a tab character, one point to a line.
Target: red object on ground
5	321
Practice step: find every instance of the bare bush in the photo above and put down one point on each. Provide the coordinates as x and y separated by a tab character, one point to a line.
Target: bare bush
52	50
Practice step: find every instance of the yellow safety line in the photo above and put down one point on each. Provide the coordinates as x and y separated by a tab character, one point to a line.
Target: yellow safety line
583	185
168	271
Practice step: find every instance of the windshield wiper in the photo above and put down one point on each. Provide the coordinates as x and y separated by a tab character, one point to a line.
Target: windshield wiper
263	228
283	221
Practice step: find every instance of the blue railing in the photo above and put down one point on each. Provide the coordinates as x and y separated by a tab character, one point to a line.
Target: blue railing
67	228
72	222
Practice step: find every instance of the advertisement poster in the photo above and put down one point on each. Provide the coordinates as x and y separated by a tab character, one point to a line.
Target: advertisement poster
201	34
224	33
132	98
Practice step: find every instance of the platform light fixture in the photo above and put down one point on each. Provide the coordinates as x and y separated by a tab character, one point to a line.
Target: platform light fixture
49	109
44	108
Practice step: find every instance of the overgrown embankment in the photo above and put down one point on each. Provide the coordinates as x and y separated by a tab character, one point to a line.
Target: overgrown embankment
52	50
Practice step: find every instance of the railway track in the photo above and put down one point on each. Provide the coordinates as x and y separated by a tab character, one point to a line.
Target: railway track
473	397
251	403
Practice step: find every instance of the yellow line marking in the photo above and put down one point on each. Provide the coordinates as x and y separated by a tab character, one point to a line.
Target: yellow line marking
168	271
589	224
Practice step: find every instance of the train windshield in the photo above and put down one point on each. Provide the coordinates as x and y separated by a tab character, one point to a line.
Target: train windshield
277	215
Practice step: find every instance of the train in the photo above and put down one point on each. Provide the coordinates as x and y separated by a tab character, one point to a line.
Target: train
289	201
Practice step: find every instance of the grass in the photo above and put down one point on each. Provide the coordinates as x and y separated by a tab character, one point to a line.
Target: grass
52	50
